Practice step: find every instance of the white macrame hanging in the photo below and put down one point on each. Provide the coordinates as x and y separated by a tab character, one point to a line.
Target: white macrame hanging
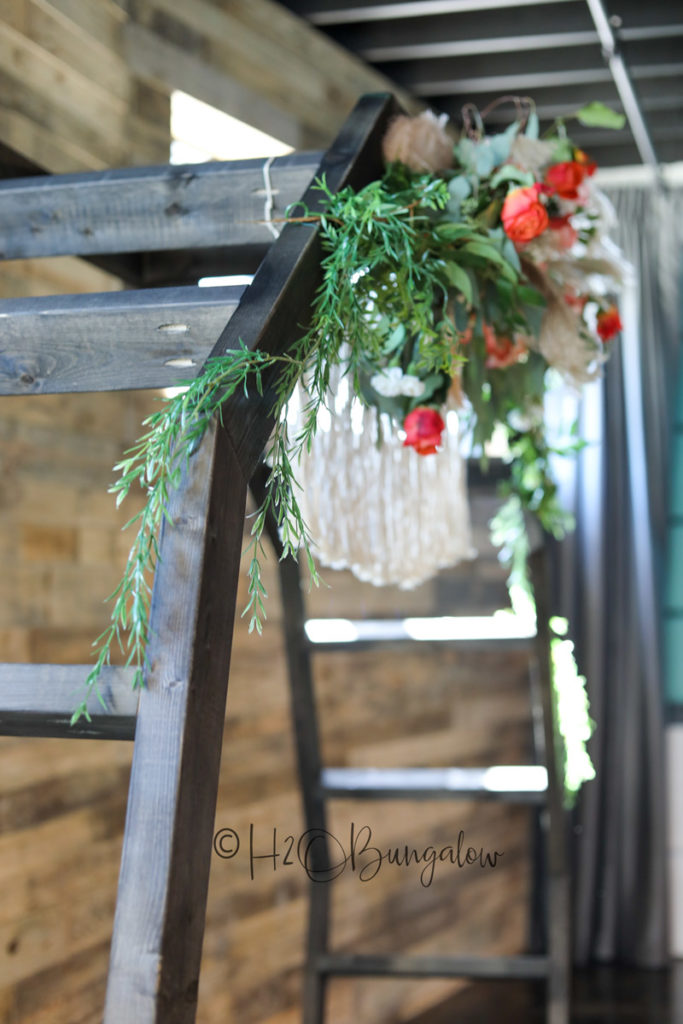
390	515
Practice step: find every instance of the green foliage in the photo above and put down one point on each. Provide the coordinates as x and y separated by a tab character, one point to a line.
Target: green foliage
412	264
598	115
572	712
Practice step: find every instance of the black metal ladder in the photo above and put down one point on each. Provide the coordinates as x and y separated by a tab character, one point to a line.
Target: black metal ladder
320	783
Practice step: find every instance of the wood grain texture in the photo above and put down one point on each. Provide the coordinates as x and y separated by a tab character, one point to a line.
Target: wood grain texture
73	87
171	66
38	700
159	924
147	209
108	341
292	79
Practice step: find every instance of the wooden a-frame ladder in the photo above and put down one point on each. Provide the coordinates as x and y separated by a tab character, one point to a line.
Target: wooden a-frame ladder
154	226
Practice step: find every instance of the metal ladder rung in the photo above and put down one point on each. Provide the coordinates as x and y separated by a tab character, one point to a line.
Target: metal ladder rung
525	784
526	967
471	632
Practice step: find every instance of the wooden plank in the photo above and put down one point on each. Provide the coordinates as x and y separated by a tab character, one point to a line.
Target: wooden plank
278	301
38	700
161	904
101	22
62	39
109	341
510	783
40	145
434	966
70	89
147	209
159	61
259	49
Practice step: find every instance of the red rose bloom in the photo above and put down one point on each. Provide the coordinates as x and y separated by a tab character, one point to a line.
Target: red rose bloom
423	429
564	178
609	323
524	216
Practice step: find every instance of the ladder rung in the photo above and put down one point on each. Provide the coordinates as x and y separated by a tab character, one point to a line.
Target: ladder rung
110	341
528	967
500	632
38	700
512	783
145	209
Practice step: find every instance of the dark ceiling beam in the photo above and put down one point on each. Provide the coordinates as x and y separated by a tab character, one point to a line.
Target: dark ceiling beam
566	65
357	10
622	80
468	26
655	95
464	47
472	47
535	80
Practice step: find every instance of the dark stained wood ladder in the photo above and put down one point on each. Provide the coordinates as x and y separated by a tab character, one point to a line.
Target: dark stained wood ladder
167	226
106	342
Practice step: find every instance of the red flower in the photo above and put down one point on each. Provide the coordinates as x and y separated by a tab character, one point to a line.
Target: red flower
524	216
564	235
501	351
564	178
423	427
609	323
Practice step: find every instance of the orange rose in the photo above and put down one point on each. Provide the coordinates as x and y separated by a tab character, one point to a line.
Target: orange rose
501	351
609	323
565	178
524	216
423	427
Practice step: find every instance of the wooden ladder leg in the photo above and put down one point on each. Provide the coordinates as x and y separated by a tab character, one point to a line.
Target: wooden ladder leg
558	926
161	906
306	734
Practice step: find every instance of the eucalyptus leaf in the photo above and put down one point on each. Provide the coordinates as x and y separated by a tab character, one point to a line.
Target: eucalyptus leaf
460	280
598	115
395	340
532	126
501	144
459	187
508	172
485	159
511	254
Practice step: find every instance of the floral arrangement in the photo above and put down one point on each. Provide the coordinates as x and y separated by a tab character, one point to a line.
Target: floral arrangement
459	279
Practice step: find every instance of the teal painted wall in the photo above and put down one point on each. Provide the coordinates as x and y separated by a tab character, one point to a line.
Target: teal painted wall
673	591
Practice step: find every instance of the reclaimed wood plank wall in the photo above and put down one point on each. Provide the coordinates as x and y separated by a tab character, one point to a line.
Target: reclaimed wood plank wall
69	100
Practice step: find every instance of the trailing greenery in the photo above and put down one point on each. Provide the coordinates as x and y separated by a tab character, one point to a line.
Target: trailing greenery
423	299
384	247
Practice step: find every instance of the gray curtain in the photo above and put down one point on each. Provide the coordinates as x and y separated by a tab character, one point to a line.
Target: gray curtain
609	586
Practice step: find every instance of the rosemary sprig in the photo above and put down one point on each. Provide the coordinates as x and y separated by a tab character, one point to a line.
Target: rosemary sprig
386	250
